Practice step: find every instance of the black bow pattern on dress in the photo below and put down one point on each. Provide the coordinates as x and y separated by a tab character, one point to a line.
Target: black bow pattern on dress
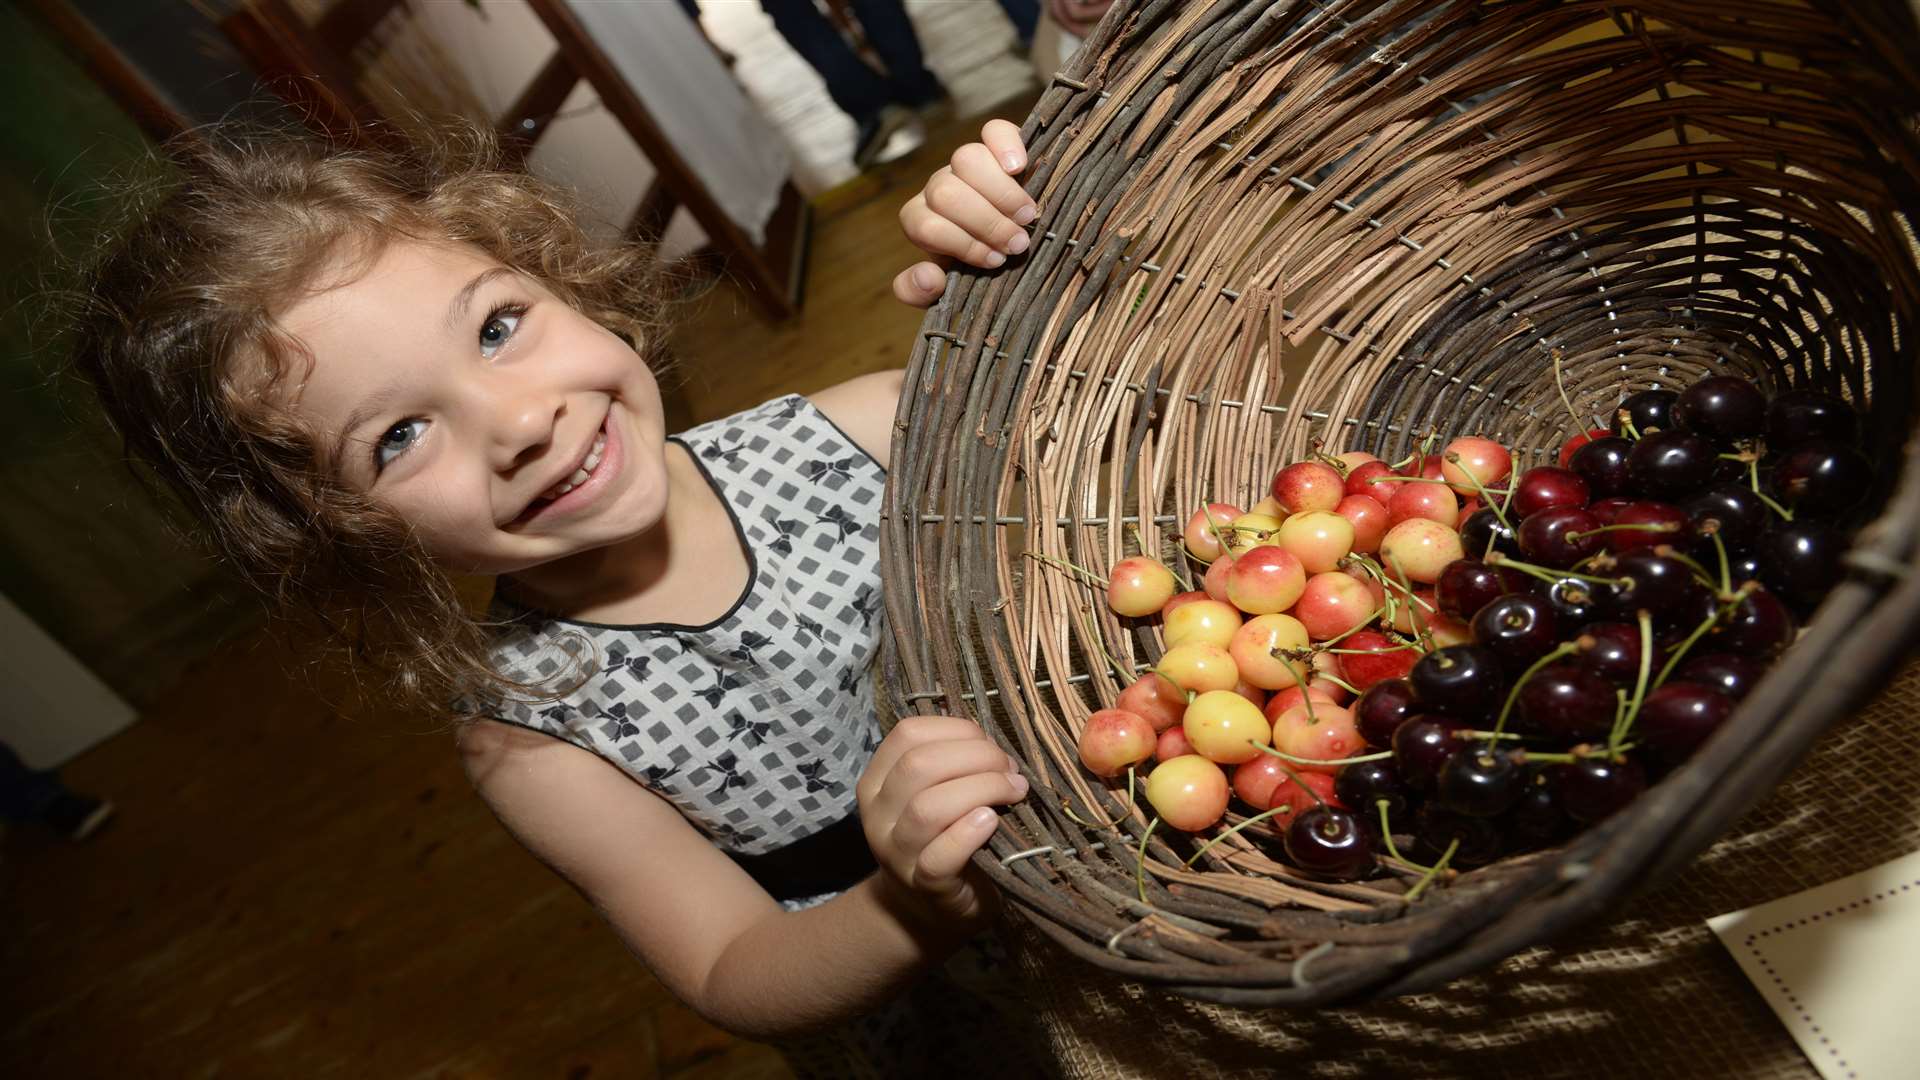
732	774
785	530
749	641
620	727
723	681
812	627
810	772
741	726
639	666
820	470
838	517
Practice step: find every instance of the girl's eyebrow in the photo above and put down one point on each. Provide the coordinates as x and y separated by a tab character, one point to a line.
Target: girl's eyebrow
462	300
364	413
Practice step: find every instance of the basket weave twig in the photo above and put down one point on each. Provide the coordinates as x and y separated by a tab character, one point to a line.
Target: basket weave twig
1359	221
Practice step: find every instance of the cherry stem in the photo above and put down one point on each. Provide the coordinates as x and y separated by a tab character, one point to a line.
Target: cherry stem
1626	425
1215	528
1413	611
1357	627
1667	551
1546	573
1140	860
1500	725
1559	379
1427	878
1092	578
1327	459
1255	819
1179	567
1486	498
1753	473
1337	681
1706	625
1449	483
1487	735
1305	698
1640	684
1658	526
1386	833
1283	755
1099	642
1298	782
1368	652
1085	824
1726	571
1613	753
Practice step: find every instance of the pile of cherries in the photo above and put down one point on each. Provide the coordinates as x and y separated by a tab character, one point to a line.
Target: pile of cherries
1620	603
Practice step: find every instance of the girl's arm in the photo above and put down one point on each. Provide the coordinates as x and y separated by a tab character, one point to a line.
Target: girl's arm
972	210
706	929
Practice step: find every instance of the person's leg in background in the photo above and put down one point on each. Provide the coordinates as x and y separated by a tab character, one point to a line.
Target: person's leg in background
1025	15
891	34
30	797
872	101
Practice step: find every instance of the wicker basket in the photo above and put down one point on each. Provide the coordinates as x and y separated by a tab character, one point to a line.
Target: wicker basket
1358	221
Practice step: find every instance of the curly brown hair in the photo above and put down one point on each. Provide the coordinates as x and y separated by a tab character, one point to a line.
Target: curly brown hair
176	332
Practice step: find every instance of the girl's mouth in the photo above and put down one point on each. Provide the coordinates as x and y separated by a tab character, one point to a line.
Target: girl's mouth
584	484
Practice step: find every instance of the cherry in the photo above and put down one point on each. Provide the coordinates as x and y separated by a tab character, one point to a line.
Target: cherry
1759	625
1678	717
1572	600
1821	477
1421	746
1381	710
1330	842
1363	783
1519	628
1612	649
1484	526
1662	523
1559	536
1464	680
1467	585
1798	416
1593	788
1536	818
1800	561
1572	446
1546	486
1568	701
1376	658
1671	464
1436	827
1743	566
1602	463
1721	407
1734	676
1644	581
1607	511
1650	410
1479	781
1732	511
1374	479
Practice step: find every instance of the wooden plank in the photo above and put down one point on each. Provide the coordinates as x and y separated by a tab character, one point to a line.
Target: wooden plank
656	208
111	69
295	65
348	22
528	118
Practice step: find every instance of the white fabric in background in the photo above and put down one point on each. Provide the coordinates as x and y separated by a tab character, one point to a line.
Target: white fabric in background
709	122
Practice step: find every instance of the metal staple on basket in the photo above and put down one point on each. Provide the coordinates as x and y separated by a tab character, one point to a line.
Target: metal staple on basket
1360	221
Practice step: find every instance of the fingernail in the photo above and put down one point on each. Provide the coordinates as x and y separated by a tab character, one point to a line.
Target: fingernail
994	258
926	277
981	817
1018	244
1025	215
1014	162
1019	783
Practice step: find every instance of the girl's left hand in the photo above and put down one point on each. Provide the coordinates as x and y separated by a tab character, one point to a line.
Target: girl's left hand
972	210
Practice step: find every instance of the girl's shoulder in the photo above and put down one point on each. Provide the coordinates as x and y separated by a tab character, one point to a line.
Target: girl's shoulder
858	412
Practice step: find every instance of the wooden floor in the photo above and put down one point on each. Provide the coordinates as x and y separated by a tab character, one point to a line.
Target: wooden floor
300	885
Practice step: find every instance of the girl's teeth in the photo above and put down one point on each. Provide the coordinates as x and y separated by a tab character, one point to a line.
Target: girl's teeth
579	477
580	474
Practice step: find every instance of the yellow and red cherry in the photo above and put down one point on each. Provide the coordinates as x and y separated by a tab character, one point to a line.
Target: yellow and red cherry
1376	480
1206	529
1332	604
1434	502
1139	586
1308	485
1421	548
1323	735
1157	698
1474	458
1188	792
1198	668
1264	783
1253	648
1411	615
1369	520
1265	580
1349	460
1114	740
1254	695
1282	700
1318	538
1251	531
1172	744
1371	657
1269	507
1208	621
1180	600
1226	728
1215	581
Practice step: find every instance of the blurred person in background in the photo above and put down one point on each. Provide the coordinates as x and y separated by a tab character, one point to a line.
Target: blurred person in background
36	797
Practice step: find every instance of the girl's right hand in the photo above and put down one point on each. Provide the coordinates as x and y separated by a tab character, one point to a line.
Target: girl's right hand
972	210
926	804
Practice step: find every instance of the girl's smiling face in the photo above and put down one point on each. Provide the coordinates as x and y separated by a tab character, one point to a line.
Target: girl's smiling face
506	427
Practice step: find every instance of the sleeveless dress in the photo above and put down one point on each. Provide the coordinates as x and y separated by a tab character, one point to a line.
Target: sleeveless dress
757	725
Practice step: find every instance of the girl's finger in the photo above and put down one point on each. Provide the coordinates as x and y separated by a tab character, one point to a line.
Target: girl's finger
955	200
1003	138
910	732
945	857
934	811
930	765
974	164
920	284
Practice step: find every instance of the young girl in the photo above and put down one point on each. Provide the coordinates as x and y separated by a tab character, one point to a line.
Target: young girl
368	372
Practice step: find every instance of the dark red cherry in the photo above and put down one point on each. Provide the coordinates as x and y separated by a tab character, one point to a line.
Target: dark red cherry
1382	709
1801	561
1671	464
1519	628
1479	780
1330	842
1722	407
1612	649
1734	676
1482	526
1436	827
1607	511
1603	465
1759	626
1657	523
1732	511
1536	819
1799	416
1567	701
1467	585
1572	600
1644	581
1650	410
1559	536
1364	783
1593	789
1820	478
1461	680
1421	746
1678	717
1545	486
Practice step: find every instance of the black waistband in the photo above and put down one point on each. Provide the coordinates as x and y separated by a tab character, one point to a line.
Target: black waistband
831	860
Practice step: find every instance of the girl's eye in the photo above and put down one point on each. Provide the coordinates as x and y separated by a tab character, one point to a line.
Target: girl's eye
500	325
395	441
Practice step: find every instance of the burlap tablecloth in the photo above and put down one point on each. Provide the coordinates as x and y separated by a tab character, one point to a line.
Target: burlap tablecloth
1650	993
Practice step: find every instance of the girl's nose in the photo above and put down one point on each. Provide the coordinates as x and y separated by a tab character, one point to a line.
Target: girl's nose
523	420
